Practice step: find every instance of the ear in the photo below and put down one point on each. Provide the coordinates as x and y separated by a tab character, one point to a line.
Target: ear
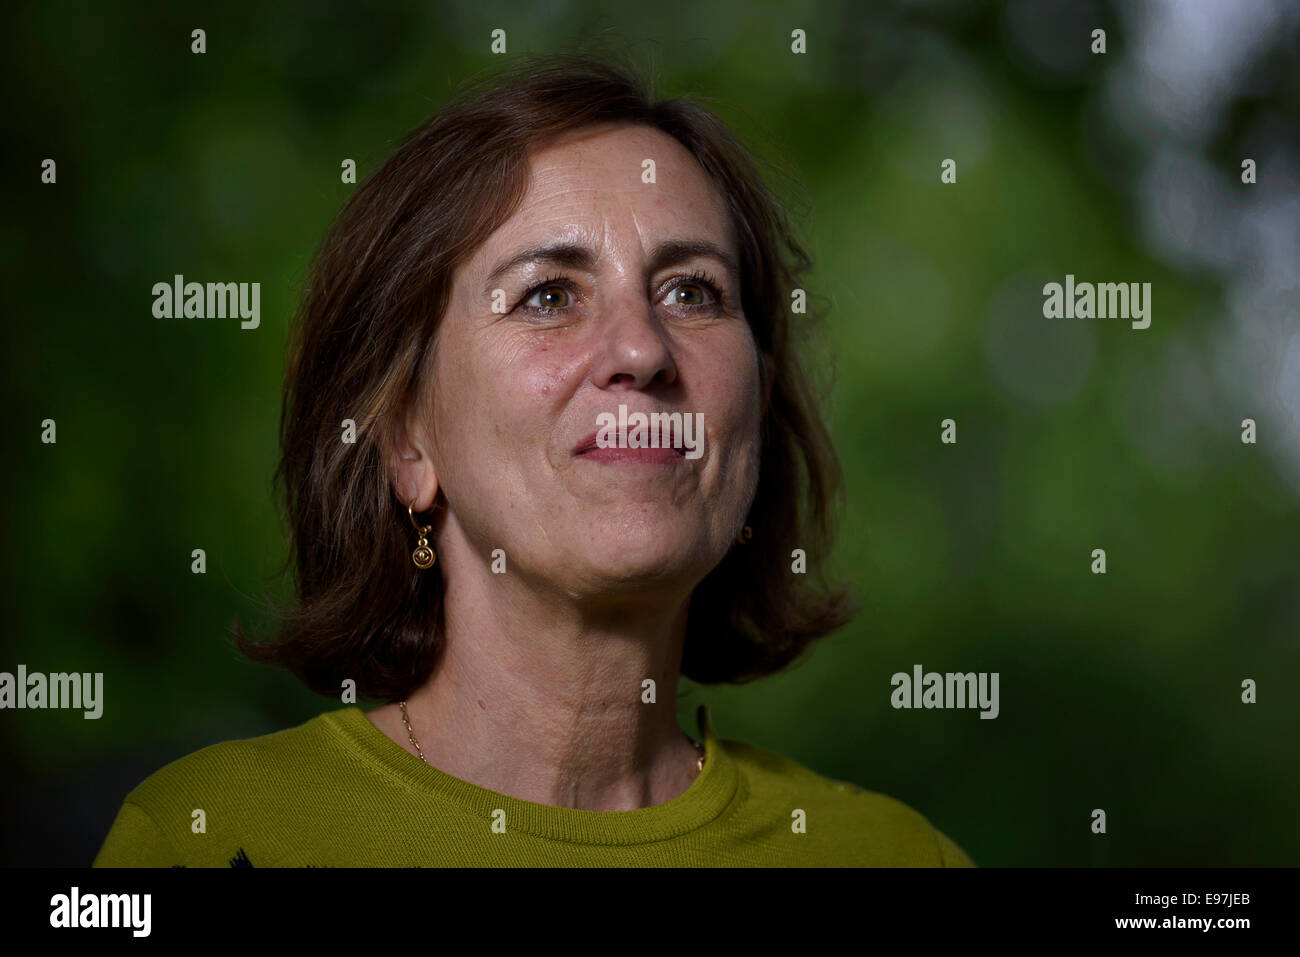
414	475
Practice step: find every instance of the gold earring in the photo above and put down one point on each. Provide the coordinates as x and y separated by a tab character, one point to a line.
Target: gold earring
423	556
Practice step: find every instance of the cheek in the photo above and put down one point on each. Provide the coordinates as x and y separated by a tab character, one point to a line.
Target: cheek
492	389
736	390
540	373
512	399
533	366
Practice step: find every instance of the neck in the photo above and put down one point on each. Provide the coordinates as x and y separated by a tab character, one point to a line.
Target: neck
544	699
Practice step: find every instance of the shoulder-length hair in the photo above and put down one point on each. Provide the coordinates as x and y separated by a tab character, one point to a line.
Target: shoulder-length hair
376	291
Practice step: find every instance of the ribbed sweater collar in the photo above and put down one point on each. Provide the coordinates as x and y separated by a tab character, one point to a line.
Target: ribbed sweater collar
708	797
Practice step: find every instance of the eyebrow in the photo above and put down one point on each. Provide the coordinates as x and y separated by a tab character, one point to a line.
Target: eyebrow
577	256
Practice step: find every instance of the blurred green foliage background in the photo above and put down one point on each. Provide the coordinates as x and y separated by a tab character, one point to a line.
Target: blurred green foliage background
1118	691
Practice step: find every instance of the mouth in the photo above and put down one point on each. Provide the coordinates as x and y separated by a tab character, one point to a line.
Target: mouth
588	445
589	450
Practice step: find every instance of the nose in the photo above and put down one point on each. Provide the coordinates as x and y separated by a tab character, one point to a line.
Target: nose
634	348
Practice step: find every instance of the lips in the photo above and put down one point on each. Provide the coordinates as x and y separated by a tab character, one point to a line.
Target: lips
586	445
589	443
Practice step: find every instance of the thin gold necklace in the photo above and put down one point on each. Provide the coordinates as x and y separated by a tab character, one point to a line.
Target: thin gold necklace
416	744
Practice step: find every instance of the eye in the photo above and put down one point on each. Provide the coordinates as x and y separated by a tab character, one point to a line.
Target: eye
694	289
696	292
701	290
554	296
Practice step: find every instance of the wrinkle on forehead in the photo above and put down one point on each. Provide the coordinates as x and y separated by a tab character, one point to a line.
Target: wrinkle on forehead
562	201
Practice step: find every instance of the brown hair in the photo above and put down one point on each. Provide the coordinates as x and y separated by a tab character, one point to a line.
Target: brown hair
376	291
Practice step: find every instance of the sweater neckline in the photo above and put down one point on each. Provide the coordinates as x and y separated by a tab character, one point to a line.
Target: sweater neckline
707	797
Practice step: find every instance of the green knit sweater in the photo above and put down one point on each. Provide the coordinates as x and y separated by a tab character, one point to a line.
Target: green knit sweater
336	791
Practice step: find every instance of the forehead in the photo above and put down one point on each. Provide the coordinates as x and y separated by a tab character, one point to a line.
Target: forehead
588	183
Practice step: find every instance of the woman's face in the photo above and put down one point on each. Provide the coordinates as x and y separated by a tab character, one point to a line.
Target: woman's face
518	388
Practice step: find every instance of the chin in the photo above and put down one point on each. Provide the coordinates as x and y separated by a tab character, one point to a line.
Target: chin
647	557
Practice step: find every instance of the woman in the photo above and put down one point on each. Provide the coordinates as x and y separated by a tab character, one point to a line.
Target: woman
477	542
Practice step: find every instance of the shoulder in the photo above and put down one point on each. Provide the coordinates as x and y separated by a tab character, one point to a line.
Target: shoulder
221	791
842	822
263	762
